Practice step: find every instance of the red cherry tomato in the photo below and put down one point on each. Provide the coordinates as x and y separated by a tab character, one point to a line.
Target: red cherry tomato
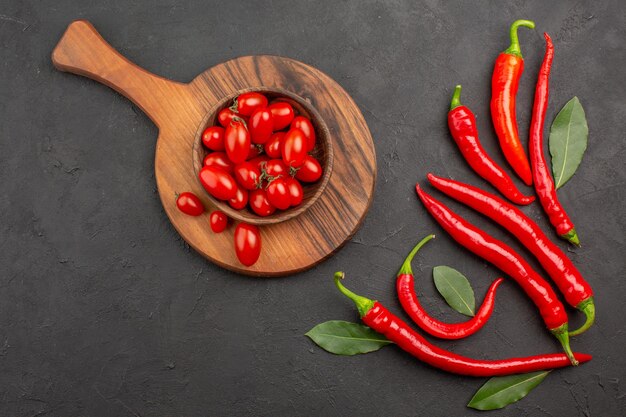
219	160
225	116
276	167
310	171
274	145
283	114
237	142
295	191
247	103
260	204
213	138
294	148
240	199
247	243
218	183
278	194
260	160
248	175
261	126
305	125
255	151
189	204
218	221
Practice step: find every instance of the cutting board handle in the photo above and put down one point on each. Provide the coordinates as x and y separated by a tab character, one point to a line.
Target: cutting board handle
83	51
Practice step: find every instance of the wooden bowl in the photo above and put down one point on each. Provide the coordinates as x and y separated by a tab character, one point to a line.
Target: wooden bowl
323	152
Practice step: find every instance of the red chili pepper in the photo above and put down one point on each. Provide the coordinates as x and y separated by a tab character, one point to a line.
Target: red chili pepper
504	82
376	316
405	288
577	291
507	260
462	124
544	185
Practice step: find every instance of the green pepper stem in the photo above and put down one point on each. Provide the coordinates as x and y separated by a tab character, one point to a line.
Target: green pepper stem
572	237
563	336
587	307
514	48
456	97
406	269
362	304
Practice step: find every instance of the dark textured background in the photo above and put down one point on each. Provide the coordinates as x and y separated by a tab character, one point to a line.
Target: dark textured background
104	311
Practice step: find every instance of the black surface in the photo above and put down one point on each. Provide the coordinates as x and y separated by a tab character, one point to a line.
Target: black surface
104	311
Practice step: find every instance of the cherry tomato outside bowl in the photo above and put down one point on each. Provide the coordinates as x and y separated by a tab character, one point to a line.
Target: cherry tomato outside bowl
218	221
190	204
247	243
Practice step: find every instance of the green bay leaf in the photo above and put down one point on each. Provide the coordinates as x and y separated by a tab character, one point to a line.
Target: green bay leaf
501	391
455	289
568	141
346	338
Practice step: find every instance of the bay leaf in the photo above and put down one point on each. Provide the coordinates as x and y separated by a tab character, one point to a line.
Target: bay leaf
501	391
346	338
568	141
455	289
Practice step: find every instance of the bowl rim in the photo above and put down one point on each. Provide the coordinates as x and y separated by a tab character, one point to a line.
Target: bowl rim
322	131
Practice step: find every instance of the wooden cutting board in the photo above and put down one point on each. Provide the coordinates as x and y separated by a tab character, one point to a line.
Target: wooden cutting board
178	109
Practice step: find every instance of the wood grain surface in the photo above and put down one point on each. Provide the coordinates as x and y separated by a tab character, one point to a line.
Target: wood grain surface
179	110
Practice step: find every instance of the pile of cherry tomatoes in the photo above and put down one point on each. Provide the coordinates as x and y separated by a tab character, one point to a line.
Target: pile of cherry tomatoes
259	155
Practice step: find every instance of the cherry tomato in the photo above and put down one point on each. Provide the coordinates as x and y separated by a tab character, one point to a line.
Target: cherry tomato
261	125
218	221
219	160
295	191
294	148
247	103
247	243
225	116
310	171
219	183
189	204
240	199
248	175
305	125
276	167
260	204
260	160
282	113
274	145
213	138
278	194
255	151
237	142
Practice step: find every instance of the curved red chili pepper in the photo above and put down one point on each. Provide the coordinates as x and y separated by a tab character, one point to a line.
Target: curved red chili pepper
405	287
462	124
577	291
504	82
544	185
376	316
507	260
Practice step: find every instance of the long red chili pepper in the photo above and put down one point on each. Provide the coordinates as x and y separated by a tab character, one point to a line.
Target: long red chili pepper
376	316
507	260
405	288
544	185
504	82
577	291
462	124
